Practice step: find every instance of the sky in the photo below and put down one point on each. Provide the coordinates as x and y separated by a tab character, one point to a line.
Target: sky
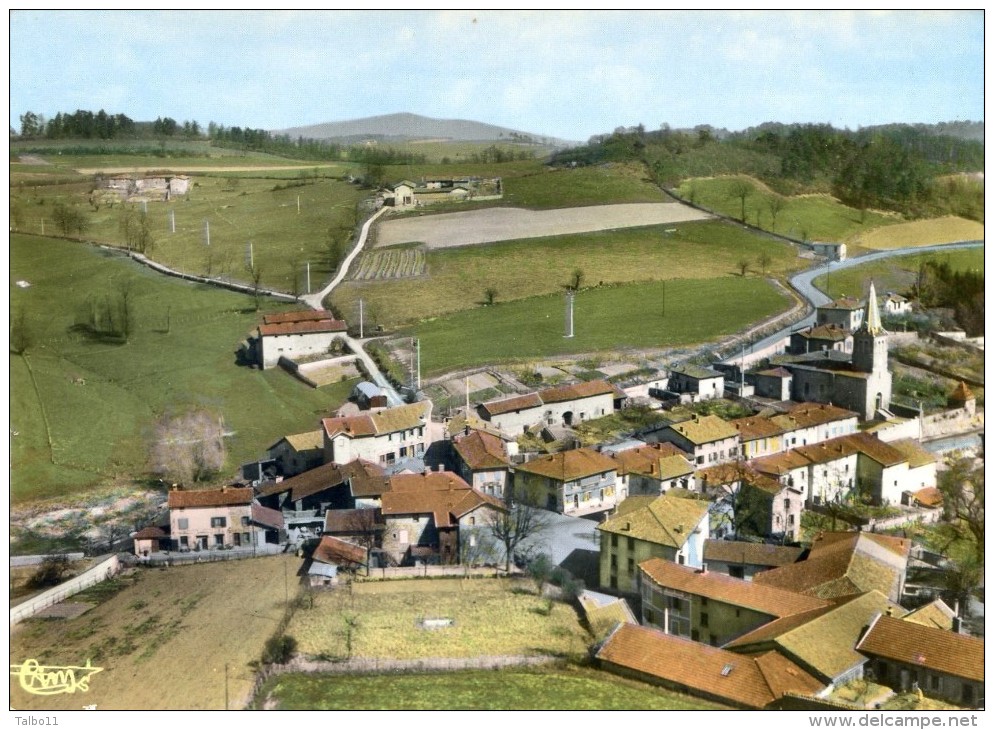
569	74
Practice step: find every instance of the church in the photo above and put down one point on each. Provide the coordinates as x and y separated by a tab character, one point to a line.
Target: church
859	382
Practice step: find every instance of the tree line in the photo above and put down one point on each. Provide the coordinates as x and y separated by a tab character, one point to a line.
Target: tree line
893	167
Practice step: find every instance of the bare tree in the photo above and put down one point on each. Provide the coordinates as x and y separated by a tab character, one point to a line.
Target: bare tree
256	273
136	230
576	280
764	261
188	447
520	521
742	265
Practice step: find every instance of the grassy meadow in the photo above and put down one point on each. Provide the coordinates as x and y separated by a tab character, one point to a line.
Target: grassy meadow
614	318
457	277
817	217
492	616
921	233
894	274
82	408
569	688
163	637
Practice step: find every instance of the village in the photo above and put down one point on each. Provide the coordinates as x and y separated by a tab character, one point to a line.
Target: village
688	533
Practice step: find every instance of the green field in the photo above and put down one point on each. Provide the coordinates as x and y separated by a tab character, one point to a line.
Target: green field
609	318
238	211
82	408
491	617
533	267
895	274
570	688
804	217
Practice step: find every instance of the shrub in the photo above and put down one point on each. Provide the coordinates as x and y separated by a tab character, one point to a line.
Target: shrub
52	571
279	650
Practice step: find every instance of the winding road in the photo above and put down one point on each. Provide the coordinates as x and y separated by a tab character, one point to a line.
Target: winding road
803	283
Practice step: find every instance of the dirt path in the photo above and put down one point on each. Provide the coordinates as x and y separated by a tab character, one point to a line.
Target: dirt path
503	224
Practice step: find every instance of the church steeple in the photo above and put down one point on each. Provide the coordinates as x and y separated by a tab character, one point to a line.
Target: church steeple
871	320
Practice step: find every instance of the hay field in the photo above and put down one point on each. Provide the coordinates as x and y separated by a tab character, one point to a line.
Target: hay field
920	233
163	640
492	616
505	224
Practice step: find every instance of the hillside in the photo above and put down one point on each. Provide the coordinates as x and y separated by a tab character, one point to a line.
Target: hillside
412	126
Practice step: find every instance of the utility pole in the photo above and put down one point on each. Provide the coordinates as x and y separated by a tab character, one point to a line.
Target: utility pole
226	686
418	345
251	254
172	221
308	277
569	314
207	231
664	297
298	205
43	226
360	319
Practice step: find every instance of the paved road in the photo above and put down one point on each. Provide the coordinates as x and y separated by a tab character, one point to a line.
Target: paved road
804	282
316	301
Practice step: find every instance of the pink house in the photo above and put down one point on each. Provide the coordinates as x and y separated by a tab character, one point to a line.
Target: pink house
221	519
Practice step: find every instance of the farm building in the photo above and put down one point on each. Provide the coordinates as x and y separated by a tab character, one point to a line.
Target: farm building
707	439
563	405
298	452
407	193
294	334
831	251
149	187
700	383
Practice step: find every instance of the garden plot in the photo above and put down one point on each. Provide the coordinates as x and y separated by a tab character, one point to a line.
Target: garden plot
401	264
505	224
477	382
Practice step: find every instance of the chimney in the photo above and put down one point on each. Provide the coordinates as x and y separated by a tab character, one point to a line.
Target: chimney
704	569
957	625
627	527
224	489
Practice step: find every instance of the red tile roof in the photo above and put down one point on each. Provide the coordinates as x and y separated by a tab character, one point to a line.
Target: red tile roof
299	328
746	681
353	520
223	497
309	482
568	466
645	459
268	517
750	553
924	646
755	427
150	533
816	414
726	589
334	551
481	450
508	405
389	420
444	495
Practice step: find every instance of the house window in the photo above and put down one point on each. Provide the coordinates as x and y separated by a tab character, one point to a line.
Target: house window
245	520
614	561
786	504
183	523
246	538
219	522
237	537
700	459
184	541
219	540
631	544
704	619
472	520
614	541
631	566
736	571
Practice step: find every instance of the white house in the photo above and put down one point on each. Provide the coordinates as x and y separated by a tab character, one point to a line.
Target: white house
563	405
296	334
381	437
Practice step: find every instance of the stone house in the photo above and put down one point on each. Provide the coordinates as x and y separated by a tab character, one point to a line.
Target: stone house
845	312
434	517
565	405
576	482
221	518
747	502
772	383
294	335
709	607
701	383
298	452
667	527
382	437
820	338
345	556
942	664
150	539
482	460
708	439
652	469
746	559
748	683
788	468
895	304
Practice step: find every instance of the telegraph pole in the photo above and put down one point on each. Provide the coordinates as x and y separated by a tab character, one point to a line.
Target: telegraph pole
360	319
207	230
308	277
172	221
569	314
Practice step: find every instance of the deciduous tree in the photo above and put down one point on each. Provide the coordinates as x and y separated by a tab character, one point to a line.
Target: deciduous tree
188	447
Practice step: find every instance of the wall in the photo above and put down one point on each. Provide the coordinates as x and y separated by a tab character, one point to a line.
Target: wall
199	523
291	346
624	549
97	574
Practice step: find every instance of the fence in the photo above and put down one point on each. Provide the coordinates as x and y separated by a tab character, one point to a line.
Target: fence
97	574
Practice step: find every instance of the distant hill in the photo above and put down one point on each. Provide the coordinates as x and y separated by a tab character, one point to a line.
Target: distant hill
405	127
973	131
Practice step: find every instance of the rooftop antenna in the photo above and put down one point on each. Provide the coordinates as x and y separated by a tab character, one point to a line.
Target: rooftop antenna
569	314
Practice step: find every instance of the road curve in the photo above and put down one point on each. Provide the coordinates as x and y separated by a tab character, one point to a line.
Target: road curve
803	282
